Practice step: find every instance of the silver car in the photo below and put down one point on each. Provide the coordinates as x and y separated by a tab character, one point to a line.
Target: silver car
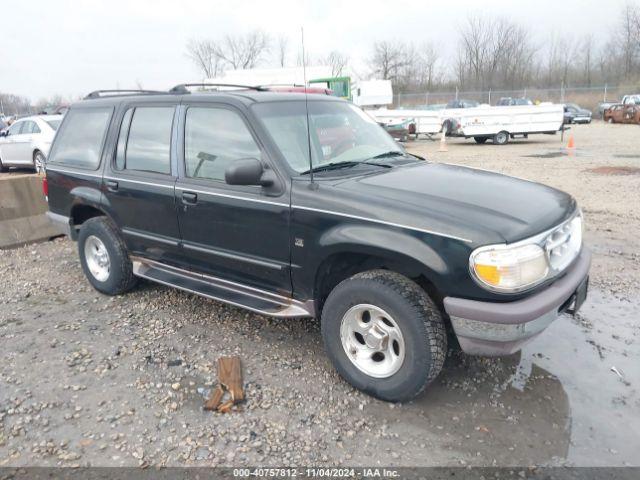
26	143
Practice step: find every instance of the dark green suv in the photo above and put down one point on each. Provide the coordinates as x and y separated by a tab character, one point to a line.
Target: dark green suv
302	205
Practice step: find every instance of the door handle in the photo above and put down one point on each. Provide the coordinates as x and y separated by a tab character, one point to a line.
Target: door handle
190	198
112	185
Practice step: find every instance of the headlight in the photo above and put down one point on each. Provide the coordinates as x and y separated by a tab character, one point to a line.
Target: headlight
509	269
516	267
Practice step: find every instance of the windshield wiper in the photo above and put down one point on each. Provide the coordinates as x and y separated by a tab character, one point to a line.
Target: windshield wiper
390	153
339	165
330	166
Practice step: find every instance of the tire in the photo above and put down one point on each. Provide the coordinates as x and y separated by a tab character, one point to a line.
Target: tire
501	138
39	161
3	169
480	140
404	304
100	235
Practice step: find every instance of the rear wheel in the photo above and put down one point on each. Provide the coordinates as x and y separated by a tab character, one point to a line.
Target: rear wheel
384	335
104	257
501	138
480	140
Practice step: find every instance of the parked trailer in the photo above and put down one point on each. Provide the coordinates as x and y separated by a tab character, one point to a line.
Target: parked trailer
427	122
483	122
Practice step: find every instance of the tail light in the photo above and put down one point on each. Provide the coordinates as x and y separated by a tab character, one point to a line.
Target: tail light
45	187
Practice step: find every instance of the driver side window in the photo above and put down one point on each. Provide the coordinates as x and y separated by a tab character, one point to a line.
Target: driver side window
215	138
15	128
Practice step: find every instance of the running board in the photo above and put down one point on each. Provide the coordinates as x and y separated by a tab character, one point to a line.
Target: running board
250	298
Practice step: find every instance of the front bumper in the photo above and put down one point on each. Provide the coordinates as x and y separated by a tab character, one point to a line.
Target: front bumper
492	328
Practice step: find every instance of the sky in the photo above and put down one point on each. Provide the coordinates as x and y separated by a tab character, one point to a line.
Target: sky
72	47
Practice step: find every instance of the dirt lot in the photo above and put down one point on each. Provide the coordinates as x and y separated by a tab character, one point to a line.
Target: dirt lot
91	380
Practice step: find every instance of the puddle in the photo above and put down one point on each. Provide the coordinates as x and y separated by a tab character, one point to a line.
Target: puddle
558	402
615	170
558	153
596	358
555	154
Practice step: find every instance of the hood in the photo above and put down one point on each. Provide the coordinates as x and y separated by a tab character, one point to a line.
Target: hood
480	205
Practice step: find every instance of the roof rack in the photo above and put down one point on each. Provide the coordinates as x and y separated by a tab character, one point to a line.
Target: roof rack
115	93
183	87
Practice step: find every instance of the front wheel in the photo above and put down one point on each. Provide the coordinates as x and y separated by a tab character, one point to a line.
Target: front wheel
104	257
501	138
384	335
38	162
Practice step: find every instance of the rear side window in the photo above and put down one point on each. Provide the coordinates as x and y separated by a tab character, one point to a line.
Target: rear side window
214	139
79	142
30	127
144	143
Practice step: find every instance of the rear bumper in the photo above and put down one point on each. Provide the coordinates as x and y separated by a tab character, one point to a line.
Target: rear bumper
492	328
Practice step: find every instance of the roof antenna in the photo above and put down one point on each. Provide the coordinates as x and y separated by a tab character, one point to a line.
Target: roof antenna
306	105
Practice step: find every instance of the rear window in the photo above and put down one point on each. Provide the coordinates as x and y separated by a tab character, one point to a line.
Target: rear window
79	143
53	124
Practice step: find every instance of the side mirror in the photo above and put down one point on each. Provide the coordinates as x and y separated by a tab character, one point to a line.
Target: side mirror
248	171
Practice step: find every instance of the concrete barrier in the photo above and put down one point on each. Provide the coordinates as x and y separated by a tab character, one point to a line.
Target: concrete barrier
22	211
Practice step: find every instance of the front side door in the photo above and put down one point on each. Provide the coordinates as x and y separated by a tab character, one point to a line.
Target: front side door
236	233
139	181
10	149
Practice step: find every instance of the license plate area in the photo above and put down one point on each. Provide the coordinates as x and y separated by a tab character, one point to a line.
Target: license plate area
575	301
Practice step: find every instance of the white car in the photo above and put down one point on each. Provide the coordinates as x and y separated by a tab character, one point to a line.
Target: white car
26	143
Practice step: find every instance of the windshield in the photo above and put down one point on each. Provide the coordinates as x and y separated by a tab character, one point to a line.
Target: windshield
54	123
339	133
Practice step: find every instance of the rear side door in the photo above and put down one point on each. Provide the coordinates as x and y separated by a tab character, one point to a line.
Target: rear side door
24	151
237	233
139	181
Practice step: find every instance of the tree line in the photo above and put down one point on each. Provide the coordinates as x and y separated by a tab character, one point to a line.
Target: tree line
491	53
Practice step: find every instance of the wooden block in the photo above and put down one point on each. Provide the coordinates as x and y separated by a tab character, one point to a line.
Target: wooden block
215	399
230	376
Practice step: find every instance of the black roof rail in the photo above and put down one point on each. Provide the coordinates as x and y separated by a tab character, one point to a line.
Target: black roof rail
183	87
267	85
115	93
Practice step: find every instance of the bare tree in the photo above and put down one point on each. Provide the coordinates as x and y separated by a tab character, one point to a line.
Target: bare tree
587	48
493	53
427	64
389	59
282	48
628	39
243	51
203	53
338	62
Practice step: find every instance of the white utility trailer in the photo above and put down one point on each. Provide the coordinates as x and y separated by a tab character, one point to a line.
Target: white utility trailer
483	122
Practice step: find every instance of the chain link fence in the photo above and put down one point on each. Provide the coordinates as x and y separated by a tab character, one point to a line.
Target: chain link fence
586	97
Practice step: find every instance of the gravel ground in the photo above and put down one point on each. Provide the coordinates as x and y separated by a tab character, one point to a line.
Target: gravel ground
87	379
